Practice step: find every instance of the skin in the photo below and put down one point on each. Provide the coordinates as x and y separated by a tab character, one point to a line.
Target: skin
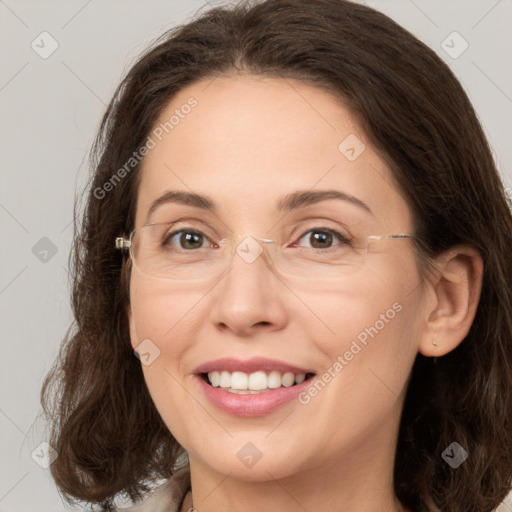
249	141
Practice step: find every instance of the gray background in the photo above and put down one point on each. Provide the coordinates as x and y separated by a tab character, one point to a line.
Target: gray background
51	109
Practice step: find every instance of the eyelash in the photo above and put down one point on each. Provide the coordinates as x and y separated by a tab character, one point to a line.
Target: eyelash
343	239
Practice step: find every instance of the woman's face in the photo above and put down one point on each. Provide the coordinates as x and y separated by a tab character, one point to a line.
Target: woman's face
247	144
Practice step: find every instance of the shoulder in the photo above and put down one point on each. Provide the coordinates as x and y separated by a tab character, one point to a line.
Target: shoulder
167	497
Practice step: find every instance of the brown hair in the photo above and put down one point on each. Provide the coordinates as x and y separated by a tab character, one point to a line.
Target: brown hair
108	434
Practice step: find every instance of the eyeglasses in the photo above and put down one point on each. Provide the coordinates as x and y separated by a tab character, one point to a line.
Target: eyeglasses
195	257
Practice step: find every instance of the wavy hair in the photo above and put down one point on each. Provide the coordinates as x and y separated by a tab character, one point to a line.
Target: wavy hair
109	437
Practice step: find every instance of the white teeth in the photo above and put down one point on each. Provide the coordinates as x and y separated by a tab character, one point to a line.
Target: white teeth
301	377
215	378
239	380
274	380
245	383
288	380
257	381
225	380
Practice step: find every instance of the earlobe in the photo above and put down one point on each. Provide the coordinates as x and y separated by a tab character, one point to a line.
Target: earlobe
456	294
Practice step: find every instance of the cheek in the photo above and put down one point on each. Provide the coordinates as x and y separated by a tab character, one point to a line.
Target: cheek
160	314
160	330
373	326
157	323
170	316
368	358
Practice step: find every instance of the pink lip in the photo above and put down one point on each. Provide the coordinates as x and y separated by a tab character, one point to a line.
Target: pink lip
250	405
249	366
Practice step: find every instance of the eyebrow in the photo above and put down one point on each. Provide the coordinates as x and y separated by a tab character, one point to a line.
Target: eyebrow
287	203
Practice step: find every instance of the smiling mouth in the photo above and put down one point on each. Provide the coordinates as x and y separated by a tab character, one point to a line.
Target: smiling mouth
253	383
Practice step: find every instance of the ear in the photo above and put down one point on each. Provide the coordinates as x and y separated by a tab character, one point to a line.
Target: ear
455	293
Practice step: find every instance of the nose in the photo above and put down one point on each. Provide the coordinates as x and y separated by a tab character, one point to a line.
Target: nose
250	296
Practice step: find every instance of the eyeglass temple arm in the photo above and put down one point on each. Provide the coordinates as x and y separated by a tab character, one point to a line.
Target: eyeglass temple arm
385	237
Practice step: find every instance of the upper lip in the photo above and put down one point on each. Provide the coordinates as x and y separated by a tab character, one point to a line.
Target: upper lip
249	366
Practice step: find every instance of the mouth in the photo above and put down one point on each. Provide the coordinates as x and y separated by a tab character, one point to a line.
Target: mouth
258	382
251	387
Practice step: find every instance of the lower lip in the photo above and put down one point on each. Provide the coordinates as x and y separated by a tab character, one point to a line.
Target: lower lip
251	405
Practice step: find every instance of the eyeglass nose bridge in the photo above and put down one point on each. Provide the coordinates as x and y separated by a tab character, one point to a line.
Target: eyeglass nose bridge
249	248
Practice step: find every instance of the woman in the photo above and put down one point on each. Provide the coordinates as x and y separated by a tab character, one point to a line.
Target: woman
305	243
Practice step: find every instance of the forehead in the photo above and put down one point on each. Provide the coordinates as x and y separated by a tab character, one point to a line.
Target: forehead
247	141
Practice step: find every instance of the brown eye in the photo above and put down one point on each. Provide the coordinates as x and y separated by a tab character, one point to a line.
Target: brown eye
320	240
323	238
187	240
